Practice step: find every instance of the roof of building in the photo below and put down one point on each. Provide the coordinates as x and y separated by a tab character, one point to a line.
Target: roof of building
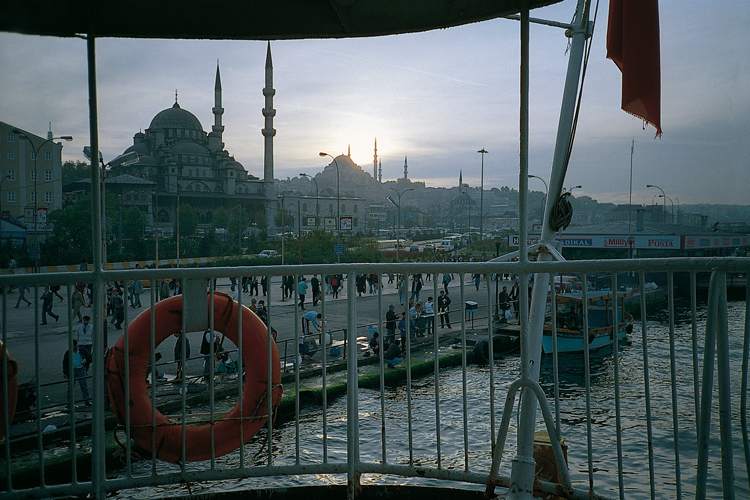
175	118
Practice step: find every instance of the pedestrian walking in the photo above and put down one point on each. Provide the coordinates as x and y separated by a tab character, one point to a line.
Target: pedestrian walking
85	335
118	308
77	302
444	302
182	341
302	291
47	298
22	289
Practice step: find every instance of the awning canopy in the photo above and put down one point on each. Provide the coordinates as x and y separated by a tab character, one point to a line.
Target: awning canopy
247	19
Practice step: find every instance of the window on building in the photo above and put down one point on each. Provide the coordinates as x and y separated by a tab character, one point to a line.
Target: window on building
33	156
33	176
48	156
11	196
11	155
11	137
48	197
190	173
33	197
11	175
48	175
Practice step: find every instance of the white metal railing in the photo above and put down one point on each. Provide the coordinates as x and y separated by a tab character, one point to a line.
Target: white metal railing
689	472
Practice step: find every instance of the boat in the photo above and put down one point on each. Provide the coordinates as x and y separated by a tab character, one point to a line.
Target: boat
571	330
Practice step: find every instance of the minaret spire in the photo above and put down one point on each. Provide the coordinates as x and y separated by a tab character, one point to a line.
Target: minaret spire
268	112
406	169
380	171
215	142
460	181
349	150
375	161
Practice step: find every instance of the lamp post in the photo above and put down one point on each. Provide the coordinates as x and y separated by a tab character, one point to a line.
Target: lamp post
678	209
663	194
398	224
338	203
119	161
546	193
574	187
671	220
36	151
317	203
481	197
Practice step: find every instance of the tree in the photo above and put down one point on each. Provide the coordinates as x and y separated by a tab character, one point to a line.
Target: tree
73	171
260	220
283	219
70	240
188	220
235	224
133	223
221	218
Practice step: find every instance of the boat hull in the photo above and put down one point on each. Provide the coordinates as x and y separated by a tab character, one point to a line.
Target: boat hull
574	341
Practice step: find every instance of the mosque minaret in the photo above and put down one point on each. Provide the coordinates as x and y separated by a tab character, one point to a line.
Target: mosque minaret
375	161
268	113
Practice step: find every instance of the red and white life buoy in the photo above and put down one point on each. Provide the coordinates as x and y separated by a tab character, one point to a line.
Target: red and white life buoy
12	391
165	436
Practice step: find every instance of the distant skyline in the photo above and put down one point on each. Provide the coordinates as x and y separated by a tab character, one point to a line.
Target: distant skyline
436	97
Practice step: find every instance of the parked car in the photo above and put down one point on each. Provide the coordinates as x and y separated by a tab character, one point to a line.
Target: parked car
266	254
414	248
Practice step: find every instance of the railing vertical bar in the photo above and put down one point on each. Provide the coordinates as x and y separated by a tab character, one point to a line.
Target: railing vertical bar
694	341
212	371
6	424
324	326
464	375
297	367
555	359
407	324
381	353
743	390
616	355
154	371
240	367
709	355
436	348
40	397
673	372
725	398
352	394
647	384
491	359
71	388
587	369
126	346
269	394
183	386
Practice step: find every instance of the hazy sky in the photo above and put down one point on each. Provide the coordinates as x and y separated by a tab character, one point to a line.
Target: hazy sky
436	97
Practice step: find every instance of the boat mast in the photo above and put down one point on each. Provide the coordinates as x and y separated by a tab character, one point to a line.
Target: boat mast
522	475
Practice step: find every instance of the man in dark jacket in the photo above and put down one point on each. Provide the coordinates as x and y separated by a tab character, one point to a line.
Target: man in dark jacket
81	359
47	298
443	303
182	340
390	325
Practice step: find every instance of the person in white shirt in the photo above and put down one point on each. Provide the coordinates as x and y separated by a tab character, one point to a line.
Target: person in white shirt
429	313
85	335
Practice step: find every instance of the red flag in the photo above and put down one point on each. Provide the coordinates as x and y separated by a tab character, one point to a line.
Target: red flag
633	45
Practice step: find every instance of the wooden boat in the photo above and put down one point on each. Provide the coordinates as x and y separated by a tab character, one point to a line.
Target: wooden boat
570	327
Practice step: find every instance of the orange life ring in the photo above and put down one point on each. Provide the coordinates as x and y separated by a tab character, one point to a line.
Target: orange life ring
12	391
166	435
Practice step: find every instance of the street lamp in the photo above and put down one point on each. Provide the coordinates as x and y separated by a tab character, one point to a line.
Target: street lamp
574	187
398	224
481	197
663	194
546	193
36	151
317	203
119	161
670	201
338	204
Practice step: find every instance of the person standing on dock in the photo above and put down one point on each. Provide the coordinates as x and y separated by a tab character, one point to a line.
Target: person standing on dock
444	303
514	295
302	291
81	359
85	335
503	301
390	325
429	315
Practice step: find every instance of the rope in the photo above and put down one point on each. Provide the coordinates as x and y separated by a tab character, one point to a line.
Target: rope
562	213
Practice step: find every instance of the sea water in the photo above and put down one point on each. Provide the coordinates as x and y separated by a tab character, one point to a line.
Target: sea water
414	422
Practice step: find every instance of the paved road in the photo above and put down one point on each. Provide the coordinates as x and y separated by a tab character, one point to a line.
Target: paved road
53	337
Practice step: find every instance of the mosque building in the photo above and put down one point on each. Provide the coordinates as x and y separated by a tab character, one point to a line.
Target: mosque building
191	165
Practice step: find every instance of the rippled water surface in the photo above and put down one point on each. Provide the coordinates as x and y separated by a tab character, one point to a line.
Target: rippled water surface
475	454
